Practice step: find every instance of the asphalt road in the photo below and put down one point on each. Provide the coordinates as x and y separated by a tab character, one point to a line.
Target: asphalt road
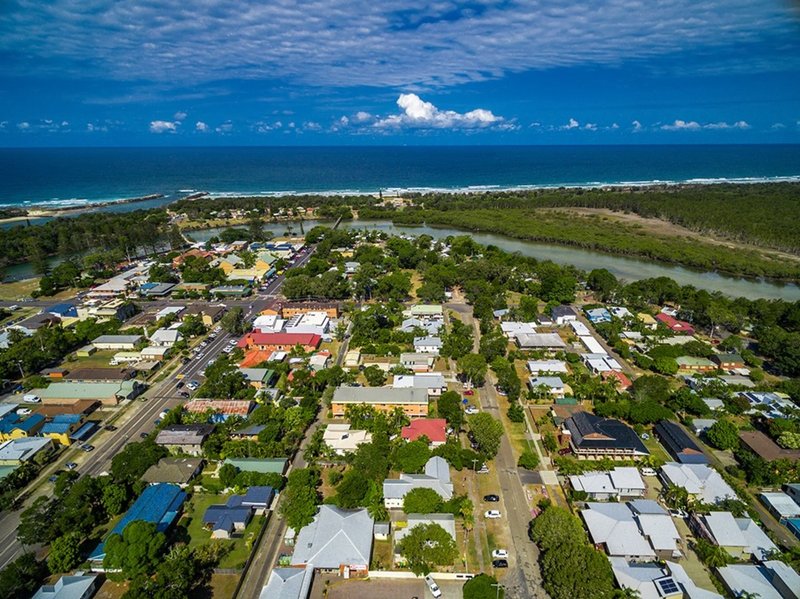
158	398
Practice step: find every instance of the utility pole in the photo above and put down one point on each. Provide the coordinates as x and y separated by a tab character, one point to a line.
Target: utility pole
498	586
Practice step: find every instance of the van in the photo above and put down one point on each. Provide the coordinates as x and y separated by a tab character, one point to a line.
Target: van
434	588
31	398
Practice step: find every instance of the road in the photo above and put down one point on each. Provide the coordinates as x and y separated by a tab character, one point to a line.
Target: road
138	417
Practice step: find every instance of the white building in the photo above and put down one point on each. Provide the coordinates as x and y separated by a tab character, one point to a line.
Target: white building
341	439
165	337
436	477
432	382
268	323
700	481
621	482
317	323
539	366
428	345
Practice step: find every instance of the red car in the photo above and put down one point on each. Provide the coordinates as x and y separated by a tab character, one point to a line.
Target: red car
469	392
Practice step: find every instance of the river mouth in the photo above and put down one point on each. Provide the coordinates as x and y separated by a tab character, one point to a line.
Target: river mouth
626	268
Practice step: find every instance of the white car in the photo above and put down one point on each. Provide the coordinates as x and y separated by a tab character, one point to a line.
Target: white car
470	409
434	588
24	411
232	342
492	514
499	554
648	472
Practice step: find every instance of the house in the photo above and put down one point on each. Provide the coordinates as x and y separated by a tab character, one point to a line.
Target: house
108	394
220	409
352	358
657	581
435	429
700	480
580	329
209	314
513	329
701	425
185	438
65	310
436	477
288	583
418	362
617	378
675	325
592	345
156	289
598	315
431	327
553	385
562	315
600	363
714	404
414	402
280	341
766	448
381	531
32	324
770	580
695	364
793	491
176	471
262	465
768	403
165	337
432	382
249	433
118	342
193	253
319	361
728	361
101	375
13	427
617	483
341	439
258	377
593	437
337	540
781	506
78	586
258	498
425	312
226	519
289	309
61	427
740	537
547	366
159	504
548	341
641	532
446	521
647	320
678	443
427	345
16	452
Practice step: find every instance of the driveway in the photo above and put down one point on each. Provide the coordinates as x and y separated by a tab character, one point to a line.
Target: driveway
381	588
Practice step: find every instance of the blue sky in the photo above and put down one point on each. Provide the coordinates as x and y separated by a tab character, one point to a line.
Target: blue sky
274	72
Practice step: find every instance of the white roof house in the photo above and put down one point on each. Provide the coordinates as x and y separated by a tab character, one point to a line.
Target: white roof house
592	344
436	477
512	329
739	536
269	323
540	341
700	480
553	384
539	366
580	329
288	583
432	382
342	439
770	580
654	581
781	505
335	539
165	337
78	586
446	521
428	345
17	451
619	482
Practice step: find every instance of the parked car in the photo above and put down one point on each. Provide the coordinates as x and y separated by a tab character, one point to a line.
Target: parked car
648	472
144	435
184	394
179	385
24	411
484	469
470	409
500	563
31	398
492	514
71	465
491	498
500	554
678	513
110	427
434	588
469	392
87	448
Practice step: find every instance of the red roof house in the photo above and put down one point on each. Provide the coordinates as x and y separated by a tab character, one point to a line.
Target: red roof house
675	325
622	382
433	428
279	341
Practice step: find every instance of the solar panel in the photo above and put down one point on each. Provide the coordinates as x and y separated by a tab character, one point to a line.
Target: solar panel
667	586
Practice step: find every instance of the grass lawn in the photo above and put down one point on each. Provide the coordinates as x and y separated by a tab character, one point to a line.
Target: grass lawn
99	359
240	546
20	314
655	448
16	290
381	555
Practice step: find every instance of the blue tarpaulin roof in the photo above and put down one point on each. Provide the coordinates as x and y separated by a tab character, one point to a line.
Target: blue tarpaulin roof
158	504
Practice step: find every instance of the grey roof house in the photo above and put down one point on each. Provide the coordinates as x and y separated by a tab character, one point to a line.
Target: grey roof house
436	477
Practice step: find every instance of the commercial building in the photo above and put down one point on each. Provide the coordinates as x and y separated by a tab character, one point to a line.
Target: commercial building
280	341
289	309
109	394
413	402
118	342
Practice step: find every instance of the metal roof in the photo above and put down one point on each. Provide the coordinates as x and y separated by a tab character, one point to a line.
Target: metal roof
335	537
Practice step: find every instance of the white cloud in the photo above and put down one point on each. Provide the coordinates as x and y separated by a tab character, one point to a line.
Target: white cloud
180	115
24	125
201	127
163	126
3	124
226	127
94	128
778	126
637	126
361	42
572	124
419	114
680	125
614	126
312	126
362	117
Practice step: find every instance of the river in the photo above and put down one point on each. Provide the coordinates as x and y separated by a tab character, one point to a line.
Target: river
629	269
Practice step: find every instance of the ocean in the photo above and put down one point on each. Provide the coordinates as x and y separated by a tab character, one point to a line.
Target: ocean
81	176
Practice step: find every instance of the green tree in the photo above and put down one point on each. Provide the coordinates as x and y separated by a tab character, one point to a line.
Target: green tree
352	491
227	474
20	578
422	501
137	551
299	503
132	462
115	497
411	457
65	553
603	283
426	546
473	366
549	441
233	321
487	431
449	408
723	434
457	342
528	459
482	586
651	387
374	375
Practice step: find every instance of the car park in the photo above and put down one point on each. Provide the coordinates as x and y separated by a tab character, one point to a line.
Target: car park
500	554
492	514
491	498
500	563
433	587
